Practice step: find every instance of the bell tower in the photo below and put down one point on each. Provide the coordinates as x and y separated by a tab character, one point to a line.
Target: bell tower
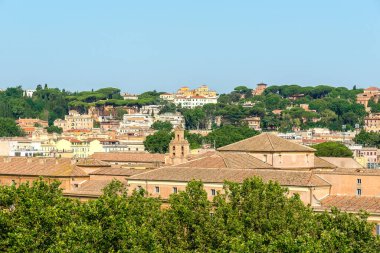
179	147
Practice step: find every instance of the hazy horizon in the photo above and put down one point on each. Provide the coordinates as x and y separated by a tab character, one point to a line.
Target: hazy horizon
140	46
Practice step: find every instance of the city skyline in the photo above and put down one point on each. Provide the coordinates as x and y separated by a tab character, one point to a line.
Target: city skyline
138	47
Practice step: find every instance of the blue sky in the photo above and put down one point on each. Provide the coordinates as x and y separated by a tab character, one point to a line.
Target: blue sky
144	45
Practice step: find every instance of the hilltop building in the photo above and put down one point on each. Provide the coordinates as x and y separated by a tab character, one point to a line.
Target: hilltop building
372	123
187	98
368	94
127	96
29	126
75	121
29	93
260	88
253	123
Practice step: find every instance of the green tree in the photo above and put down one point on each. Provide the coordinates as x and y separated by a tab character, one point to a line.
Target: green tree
229	134
158	142
332	149
162	125
54	129
9	128
371	139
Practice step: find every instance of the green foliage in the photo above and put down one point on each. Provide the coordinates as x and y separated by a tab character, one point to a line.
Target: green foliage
54	129
250	217
332	149
194	118
168	108
375	107
195	140
371	139
158	142
162	125
228	134
334	106
9	128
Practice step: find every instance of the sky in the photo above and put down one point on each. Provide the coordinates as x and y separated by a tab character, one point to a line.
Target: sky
162	45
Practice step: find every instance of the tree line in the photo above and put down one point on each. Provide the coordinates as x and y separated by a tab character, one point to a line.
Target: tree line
330	107
250	217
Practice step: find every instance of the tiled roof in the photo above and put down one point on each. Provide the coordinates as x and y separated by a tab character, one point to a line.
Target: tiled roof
351	171
266	142
343	162
52	167
372	89
215	175
227	160
90	162
352	203
321	163
118	171
90	187
129	157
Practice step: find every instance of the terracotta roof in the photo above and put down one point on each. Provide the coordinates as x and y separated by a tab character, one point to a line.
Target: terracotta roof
266	142
351	171
343	162
90	187
226	160
372	89
215	175
90	162
321	163
352	203
204	154
129	157
118	171
34	166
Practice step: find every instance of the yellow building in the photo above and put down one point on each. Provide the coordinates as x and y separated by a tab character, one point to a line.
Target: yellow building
203	91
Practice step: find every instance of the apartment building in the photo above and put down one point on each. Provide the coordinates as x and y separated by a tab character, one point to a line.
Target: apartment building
75	121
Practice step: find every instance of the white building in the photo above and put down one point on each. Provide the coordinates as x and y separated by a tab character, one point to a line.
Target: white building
128	96
29	93
194	101
167	96
175	118
149	109
137	119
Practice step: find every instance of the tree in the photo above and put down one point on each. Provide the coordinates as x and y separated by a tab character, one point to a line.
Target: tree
229	134
9	128
371	139
162	125
158	142
252	216
54	129
195	140
332	149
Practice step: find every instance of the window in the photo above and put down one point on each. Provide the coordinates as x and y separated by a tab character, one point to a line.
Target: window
265	158
213	192
139	188
358	192
359	180
157	189
175	190
377	229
